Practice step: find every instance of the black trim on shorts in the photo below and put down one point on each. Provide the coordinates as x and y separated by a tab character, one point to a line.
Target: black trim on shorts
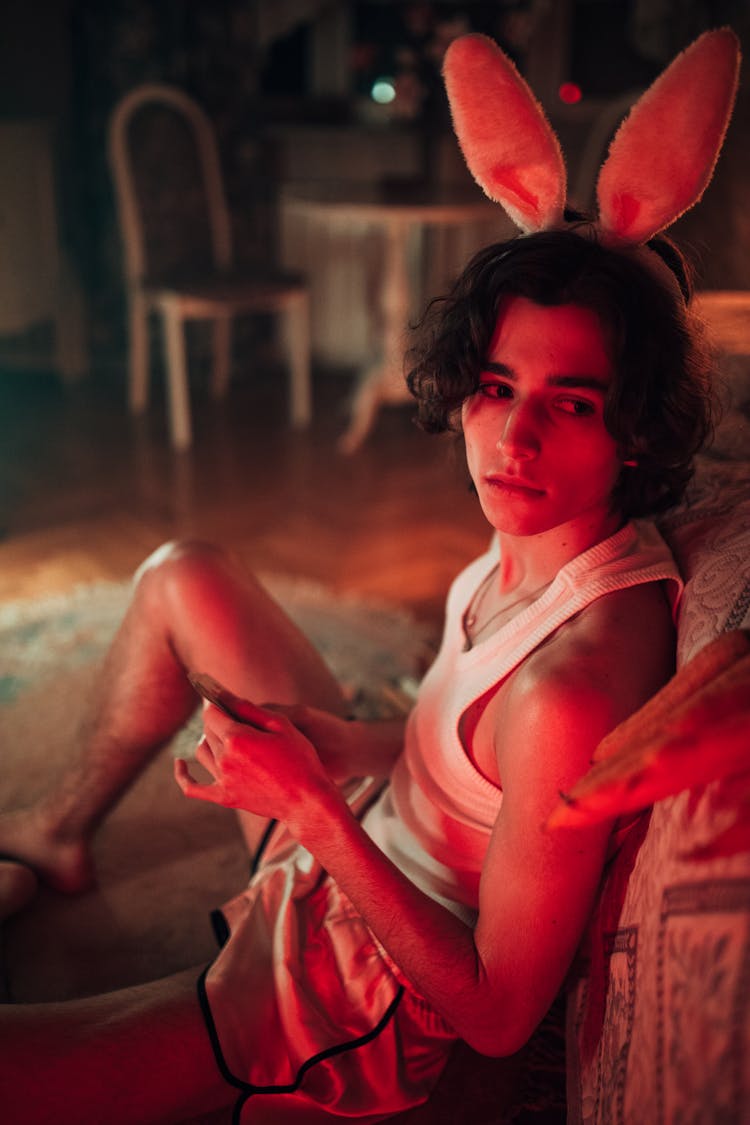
247	1089
262	847
220	927
219	924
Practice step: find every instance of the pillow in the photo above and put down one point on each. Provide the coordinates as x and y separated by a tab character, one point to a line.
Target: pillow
709	533
658	1013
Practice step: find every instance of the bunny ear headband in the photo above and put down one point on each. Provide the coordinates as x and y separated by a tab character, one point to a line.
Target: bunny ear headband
659	163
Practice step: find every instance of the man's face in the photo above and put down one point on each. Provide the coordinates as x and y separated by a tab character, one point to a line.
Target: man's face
537	448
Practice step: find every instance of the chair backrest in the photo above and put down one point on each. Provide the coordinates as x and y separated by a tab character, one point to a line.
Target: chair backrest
123	157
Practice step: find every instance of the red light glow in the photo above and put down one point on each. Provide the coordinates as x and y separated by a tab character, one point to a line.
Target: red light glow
570	93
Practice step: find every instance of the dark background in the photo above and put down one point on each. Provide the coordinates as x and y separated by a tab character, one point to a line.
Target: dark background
68	61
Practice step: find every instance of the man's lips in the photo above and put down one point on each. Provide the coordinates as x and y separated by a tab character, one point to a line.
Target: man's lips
513	484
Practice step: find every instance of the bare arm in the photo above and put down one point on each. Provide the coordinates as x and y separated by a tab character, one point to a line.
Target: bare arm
350	748
494	983
347	747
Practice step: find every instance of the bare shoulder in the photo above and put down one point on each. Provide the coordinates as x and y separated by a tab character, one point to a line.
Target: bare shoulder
597	669
620	647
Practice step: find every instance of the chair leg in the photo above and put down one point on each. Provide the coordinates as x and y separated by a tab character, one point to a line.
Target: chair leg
138	354
296	327
222	356
177	378
365	406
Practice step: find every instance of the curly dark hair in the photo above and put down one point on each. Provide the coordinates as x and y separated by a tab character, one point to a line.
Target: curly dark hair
659	407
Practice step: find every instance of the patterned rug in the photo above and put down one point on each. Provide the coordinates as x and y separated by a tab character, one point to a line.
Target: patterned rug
163	863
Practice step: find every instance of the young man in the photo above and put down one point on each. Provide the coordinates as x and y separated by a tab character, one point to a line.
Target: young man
382	923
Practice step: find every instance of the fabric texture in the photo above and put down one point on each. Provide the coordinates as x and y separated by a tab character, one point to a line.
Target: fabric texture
308	1014
659	1006
305	1007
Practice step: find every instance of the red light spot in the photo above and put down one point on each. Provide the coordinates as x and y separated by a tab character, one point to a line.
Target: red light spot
570	93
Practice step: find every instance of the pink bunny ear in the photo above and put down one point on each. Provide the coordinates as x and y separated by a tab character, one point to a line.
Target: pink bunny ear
663	155
507	142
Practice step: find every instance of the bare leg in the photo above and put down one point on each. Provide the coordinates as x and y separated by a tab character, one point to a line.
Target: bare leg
137	1055
194	608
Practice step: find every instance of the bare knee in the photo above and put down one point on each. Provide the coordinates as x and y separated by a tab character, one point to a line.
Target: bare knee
188	581
183	572
218	619
188	560
179	554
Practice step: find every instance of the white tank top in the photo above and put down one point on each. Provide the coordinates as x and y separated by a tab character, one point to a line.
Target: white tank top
435	818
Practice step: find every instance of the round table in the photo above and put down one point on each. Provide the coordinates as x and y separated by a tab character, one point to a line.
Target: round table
402	211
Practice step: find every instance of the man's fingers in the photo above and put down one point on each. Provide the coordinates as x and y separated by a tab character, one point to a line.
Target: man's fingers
256	721
192	788
205	755
238	709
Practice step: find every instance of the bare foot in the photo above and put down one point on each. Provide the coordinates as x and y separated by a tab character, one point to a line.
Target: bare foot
18	885
65	865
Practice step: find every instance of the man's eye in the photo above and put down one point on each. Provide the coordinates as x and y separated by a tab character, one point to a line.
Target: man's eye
580	407
490	388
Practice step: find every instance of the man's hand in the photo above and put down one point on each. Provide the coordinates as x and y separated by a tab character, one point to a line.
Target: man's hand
269	768
339	743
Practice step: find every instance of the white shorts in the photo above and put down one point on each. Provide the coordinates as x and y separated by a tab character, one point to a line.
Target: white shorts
308	1016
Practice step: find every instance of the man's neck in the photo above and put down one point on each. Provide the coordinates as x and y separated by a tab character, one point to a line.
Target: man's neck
530	562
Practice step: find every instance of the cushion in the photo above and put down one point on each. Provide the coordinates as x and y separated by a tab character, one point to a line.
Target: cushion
659	1000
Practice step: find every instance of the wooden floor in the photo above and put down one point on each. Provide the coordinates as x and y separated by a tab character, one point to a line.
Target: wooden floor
87	491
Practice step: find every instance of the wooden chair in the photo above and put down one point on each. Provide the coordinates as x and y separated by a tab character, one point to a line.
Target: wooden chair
177	246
